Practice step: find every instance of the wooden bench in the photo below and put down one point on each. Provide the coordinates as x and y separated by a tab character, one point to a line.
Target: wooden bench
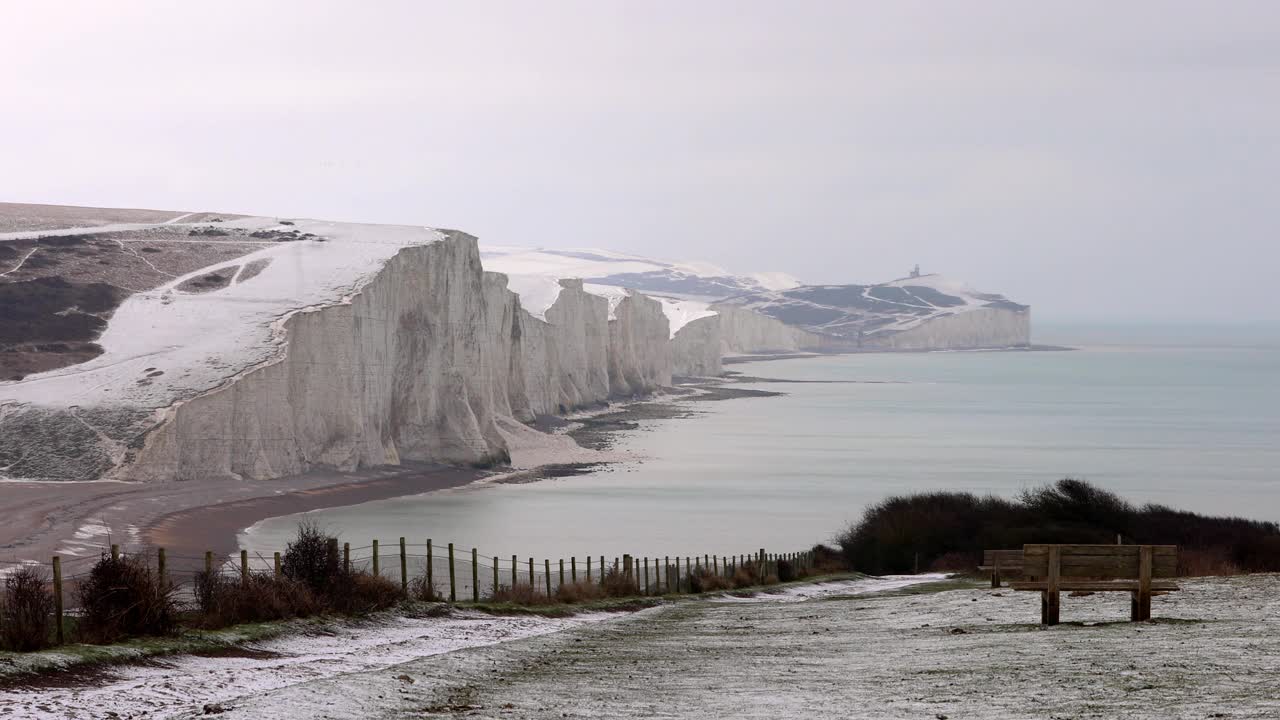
1136	569
998	561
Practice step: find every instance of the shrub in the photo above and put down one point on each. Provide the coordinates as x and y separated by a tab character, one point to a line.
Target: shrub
580	591
703	580
224	601
26	610
520	594
786	571
617	584
745	576
312	558
357	593
123	598
950	530
420	589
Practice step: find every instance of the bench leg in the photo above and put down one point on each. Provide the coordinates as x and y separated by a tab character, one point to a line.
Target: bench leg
1144	605
1134	613
1049	607
995	577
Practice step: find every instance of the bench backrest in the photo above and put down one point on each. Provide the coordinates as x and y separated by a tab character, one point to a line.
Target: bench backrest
1100	562
1008	558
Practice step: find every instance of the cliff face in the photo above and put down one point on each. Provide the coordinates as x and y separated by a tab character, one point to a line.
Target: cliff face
979	328
419	365
432	359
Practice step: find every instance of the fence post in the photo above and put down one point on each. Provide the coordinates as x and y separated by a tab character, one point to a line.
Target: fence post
646	576
715	564
515	571
277	566
573	569
453	584
533	580
162	566
115	552
603	569
562	571
404	569
475	576
377	567
346	558
57	596
208	563
244	568
431	580
547	572
626	567
496	562
588	568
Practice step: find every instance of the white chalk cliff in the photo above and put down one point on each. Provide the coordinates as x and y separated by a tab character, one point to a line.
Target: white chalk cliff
252	347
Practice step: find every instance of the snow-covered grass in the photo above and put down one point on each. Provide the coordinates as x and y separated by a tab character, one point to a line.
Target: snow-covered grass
249	661
1213	651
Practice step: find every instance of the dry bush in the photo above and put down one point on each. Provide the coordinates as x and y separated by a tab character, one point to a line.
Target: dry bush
703	580
618	584
1196	562
26	610
357	593
224	601
580	591
787	571
124	598
420	589
520	594
770	579
312	558
956	562
745	576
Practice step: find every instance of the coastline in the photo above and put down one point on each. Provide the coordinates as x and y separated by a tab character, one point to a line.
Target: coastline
78	520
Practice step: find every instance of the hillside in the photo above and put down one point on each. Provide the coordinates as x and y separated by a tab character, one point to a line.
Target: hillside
923	312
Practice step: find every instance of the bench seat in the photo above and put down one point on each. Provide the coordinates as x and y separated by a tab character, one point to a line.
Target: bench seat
1094	585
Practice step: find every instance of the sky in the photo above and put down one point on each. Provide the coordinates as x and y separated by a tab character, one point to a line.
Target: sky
1097	160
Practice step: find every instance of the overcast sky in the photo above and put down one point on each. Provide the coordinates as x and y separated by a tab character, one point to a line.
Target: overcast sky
1112	160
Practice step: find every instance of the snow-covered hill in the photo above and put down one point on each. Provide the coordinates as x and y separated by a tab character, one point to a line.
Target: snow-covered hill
919	312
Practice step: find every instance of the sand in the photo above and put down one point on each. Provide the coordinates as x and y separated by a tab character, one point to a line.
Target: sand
82	520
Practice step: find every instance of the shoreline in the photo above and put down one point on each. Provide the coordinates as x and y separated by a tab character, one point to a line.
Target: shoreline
80	520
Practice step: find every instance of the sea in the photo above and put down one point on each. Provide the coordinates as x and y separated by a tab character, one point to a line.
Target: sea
1192	423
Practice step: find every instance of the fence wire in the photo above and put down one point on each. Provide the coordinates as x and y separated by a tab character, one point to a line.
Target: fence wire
416	566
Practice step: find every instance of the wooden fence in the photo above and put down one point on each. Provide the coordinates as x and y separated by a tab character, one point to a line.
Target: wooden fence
453	574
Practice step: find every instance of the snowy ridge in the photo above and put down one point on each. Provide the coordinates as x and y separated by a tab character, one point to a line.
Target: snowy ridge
880	315
167	344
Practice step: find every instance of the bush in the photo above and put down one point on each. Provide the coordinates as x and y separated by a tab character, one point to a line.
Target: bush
420	589
703	580
26	610
787	572
224	601
745	576
580	591
950	530
358	593
520	594
312	558
123	598
616	584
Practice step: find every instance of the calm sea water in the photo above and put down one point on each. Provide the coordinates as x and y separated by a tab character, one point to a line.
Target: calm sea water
1192	427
